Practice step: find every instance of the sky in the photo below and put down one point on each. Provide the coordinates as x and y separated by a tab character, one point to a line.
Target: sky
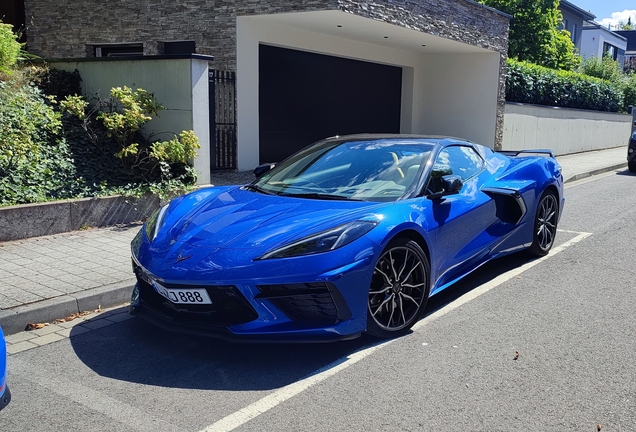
609	11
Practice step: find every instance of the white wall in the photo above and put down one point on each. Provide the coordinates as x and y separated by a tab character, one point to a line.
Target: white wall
562	130
457	96
592	41
181	85
446	94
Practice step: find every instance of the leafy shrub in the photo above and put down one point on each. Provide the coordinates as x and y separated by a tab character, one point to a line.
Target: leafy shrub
609	69
630	90
56	82
533	84
10	48
51	150
35	162
113	127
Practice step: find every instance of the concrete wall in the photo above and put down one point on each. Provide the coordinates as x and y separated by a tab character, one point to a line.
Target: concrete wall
564	131
180	84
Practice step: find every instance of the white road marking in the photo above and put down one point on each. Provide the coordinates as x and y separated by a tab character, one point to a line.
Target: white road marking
279	396
263	405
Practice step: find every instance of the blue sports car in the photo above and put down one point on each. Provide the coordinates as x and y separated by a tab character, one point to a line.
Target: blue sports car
352	234
5	394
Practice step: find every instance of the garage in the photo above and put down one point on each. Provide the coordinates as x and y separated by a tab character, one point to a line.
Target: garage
305	96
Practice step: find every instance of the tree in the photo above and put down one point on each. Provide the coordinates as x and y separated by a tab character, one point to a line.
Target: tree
626	26
534	33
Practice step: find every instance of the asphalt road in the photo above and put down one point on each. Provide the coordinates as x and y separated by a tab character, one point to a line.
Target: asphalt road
570	318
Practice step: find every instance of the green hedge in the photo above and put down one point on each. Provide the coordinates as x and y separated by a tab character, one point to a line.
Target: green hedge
533	84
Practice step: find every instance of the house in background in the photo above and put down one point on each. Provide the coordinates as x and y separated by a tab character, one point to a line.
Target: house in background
589	37
630	52
598	41
573	19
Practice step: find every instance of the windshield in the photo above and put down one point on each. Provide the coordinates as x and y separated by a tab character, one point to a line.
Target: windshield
373	170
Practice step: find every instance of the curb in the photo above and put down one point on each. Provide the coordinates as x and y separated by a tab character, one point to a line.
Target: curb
16	319
596	172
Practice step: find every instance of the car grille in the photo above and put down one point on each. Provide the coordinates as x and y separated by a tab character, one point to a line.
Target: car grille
229	306
314	302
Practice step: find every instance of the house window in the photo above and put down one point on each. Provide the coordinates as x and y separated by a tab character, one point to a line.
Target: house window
564	25
610	50
177	47
573	33
118	50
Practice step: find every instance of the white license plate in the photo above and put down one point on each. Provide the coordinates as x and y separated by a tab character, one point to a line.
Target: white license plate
183	296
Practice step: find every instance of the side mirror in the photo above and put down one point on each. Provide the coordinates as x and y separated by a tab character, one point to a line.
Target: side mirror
452	184
262	169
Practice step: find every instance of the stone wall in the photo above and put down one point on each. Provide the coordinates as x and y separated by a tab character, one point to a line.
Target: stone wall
64	29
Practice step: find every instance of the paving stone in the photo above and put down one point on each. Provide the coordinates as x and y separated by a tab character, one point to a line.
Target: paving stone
47	339
69	324
19	347
19	337
73	331
52	328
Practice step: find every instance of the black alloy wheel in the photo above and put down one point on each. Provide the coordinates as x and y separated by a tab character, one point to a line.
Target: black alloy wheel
399	289
545	224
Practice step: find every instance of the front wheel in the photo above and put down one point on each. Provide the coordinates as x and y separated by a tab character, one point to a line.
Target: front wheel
631	165
399	289
545	224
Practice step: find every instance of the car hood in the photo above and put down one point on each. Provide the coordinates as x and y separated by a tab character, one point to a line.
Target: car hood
240	219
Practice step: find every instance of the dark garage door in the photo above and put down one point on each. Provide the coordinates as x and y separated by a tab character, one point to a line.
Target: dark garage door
304	97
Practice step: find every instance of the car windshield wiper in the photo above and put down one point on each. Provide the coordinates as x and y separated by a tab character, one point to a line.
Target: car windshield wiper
323	196
257	188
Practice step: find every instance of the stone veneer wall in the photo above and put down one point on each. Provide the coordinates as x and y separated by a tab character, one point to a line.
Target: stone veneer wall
66	29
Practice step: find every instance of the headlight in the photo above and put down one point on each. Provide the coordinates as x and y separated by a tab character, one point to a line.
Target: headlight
324	241
154	222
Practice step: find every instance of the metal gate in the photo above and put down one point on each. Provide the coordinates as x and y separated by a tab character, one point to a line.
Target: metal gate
223	142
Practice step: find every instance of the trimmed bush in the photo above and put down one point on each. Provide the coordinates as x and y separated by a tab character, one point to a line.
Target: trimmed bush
533	84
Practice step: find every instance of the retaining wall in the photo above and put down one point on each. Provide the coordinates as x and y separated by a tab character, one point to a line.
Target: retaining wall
564	131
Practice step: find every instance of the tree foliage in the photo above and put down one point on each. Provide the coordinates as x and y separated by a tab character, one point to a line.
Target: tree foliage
534	33
626	25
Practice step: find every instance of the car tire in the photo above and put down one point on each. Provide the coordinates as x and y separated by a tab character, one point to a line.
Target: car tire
399	289
631	165
545	224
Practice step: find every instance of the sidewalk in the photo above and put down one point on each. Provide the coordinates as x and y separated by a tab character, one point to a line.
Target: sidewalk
51	277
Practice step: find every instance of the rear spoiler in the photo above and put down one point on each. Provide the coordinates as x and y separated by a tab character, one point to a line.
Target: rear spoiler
542	152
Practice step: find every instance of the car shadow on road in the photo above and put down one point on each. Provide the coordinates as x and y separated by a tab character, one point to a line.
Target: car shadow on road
138	352
626	173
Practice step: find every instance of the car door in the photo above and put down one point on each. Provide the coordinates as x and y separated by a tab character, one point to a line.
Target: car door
459	220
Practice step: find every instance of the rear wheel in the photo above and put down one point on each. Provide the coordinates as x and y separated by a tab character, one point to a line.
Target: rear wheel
631	165
545	224
399	289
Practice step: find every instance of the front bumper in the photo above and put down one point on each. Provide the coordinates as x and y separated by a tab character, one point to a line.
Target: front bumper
248	311
631	151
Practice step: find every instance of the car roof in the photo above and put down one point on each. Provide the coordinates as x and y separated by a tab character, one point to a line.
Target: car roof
430	139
